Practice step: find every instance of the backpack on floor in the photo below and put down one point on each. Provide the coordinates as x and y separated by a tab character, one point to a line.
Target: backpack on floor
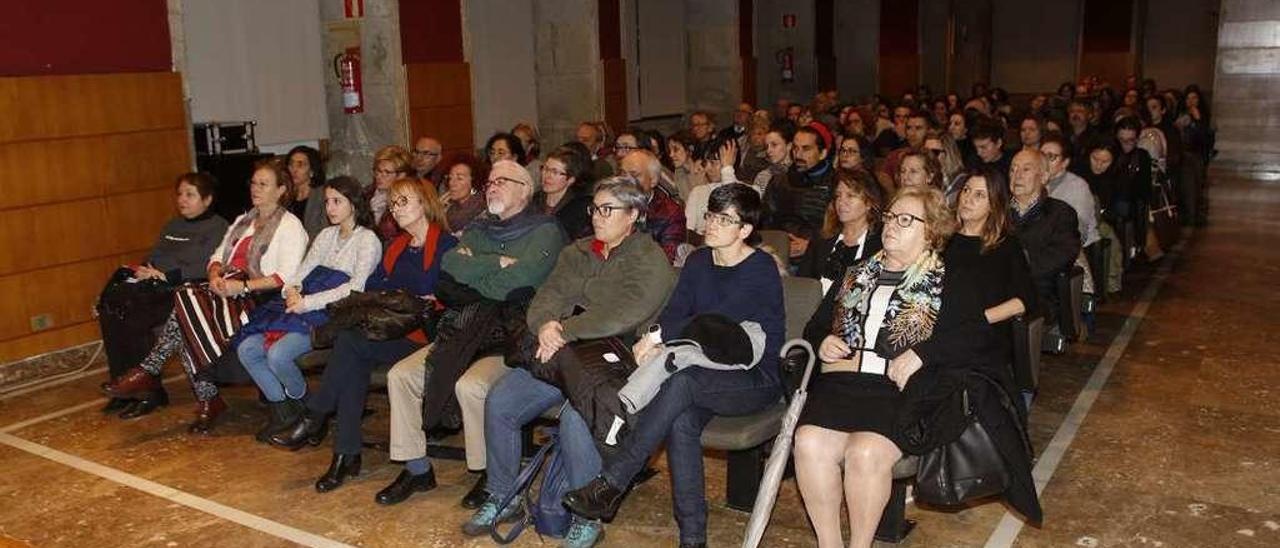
549	517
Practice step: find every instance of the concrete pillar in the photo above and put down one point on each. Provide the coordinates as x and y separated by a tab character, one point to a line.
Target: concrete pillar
354	137
568	68
714	71
498	38
1248	73
772	39
1180	38
857	48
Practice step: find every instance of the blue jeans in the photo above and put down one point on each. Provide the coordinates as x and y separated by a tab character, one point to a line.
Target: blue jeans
683	407
272	368
515	400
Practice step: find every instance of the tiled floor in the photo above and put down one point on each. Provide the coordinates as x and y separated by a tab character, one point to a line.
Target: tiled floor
1181	447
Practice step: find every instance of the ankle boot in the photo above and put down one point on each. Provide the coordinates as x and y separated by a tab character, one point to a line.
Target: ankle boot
207	412
340	468
275	422
309	430
135	382
146	405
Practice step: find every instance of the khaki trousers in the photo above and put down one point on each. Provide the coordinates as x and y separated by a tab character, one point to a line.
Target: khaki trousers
405	388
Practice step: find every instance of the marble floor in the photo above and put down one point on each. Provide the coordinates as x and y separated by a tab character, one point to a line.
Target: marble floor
1179	447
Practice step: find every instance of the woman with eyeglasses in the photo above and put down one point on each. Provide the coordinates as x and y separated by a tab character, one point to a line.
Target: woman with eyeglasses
389	164
462	199
729	277
851	153
608	284
850	232
895	317
411	262
565	177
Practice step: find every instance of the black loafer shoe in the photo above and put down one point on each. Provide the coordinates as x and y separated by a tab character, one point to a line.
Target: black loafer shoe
406	484
595	500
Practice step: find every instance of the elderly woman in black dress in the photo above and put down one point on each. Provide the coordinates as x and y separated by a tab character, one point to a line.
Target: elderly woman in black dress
899	311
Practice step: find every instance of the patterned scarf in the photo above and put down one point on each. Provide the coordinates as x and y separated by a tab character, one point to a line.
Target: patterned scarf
912	311
261	239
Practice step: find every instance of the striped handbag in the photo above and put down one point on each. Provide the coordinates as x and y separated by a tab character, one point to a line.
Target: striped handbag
208	321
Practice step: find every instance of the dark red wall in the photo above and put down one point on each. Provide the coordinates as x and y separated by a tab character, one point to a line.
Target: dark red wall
431	31
78	37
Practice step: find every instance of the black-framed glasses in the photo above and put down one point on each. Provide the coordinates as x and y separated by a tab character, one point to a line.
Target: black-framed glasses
720	219
503	181
553	171
604	210
903	220
850	152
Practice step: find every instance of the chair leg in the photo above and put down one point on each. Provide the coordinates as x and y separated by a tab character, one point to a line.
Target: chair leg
894	525
744	470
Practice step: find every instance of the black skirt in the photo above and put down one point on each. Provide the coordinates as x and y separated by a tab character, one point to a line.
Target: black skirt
853	402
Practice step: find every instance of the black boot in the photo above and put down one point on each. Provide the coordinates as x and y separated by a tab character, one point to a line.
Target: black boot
310	430
405	485
276	421
595	500
146	405
340	468
477	495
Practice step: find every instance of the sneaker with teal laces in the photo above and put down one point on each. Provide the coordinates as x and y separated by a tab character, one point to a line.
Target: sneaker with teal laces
583	533
487	515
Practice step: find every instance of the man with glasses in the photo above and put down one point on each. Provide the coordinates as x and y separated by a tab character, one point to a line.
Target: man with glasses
426	158
1069	187
702	126
492	272
1046	227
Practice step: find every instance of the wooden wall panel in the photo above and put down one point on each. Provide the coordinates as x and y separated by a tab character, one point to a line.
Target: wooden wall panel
440	103
87	164
76	168
49	107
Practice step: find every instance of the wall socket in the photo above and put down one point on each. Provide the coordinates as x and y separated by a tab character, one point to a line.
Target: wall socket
41	322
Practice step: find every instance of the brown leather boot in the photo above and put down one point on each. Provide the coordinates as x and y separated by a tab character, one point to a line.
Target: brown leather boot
134	383
206	413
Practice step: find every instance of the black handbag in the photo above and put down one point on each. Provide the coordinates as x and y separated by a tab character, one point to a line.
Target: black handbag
969	467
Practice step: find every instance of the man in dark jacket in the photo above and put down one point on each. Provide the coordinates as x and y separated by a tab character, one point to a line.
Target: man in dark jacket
666	222
1046	226
796	200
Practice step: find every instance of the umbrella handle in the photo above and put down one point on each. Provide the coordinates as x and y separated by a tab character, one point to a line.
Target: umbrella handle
808	368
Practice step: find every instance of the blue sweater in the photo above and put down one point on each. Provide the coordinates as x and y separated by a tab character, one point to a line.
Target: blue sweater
750	291
408	273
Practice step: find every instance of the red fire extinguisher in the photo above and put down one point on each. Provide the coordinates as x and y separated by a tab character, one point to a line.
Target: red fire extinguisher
787	59
347	67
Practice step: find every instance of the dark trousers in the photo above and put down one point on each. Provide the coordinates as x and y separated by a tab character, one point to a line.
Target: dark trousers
684	405
345	383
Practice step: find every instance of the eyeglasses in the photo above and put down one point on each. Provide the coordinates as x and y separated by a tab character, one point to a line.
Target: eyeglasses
428	153
720	219
503	181
553	171
625	148
1052	157
903	220
604	210
387	172
400	202
848	151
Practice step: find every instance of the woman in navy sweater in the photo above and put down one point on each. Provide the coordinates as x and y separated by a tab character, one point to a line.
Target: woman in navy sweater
729	277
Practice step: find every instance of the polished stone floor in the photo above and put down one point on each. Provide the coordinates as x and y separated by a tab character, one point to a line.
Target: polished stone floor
1180	447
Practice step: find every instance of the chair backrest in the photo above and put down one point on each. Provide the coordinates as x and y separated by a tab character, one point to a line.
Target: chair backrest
777	239
1071	303
801	297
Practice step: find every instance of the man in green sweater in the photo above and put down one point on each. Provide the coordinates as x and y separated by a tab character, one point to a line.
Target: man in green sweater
503	256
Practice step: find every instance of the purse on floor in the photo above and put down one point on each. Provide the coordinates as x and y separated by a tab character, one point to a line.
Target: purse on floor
969	467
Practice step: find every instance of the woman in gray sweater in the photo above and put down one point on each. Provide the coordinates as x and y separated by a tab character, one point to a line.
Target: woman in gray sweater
138	298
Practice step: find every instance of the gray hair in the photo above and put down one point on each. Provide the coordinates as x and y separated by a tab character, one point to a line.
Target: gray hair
629	194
